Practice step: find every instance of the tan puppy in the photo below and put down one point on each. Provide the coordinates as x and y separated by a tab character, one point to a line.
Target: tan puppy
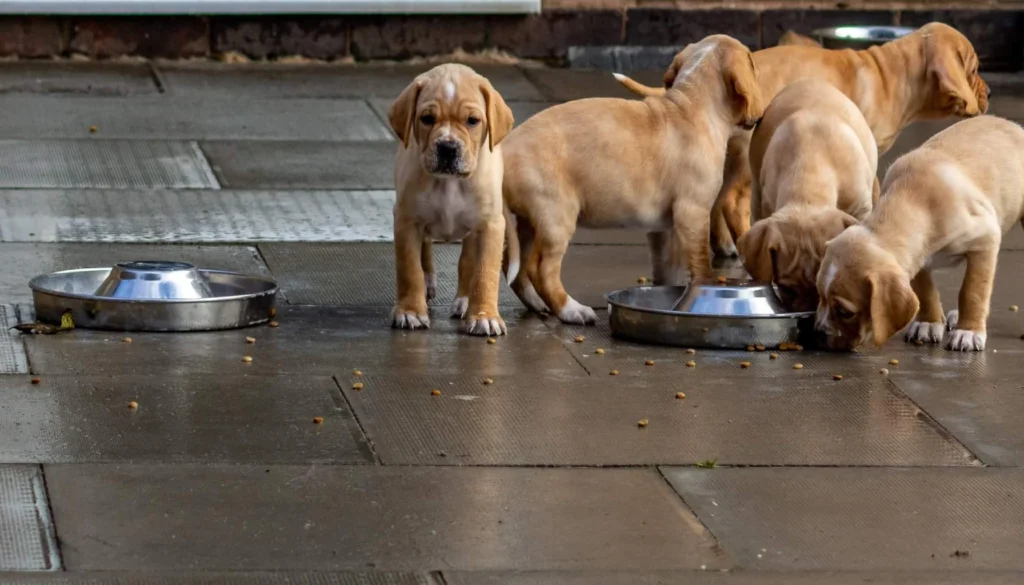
813	161
655	164
448	172
950	200
928	74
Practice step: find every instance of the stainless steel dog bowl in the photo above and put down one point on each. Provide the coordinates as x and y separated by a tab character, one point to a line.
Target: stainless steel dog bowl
154	296
730	315
858	37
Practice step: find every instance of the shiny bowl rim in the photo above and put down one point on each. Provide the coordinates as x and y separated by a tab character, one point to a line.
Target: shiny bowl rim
608	298
35	286
829	32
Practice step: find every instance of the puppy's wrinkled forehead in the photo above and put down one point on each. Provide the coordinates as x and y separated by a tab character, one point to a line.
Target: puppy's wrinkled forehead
451	85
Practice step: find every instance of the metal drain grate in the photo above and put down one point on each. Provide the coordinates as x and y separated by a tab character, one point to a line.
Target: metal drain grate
27	541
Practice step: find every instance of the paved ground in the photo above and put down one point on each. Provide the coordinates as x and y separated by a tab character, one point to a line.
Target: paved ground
543	476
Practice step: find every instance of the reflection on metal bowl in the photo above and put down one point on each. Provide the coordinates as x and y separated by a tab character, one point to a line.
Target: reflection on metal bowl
858	37
730	315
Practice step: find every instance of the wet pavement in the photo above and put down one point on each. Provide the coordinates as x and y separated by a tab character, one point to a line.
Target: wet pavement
528	468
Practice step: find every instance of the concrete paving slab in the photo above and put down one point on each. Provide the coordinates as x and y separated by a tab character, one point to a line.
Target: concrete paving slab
179	216
738	577
562	85
860	519
25	261
99	79
179	418
336	518
303	165
27	541
531	419
521	111
321	81
310	341
180	118
360	274
225	578
108	164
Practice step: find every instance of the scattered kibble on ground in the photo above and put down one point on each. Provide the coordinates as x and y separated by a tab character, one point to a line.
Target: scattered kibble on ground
318	420
488	381
435	392
798	366
1014	308
837	377
919	342
759	347
247	359
491	341
680	396
708	464
273	312
93	129
691	364
356	373
36	380
613	373
357	386
649	363
894	362
250	340
579	339
133	405
692	351
884	372
744	365
641	423
773	356
127	340
599	351
642	280
750	348
273	323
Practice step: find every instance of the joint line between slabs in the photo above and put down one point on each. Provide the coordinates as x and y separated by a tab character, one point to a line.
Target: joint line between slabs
359	423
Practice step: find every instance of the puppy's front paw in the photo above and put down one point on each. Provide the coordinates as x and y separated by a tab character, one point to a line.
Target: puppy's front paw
484	323
409	319
924	332
574	313
965	340
431	280
951	319
459	306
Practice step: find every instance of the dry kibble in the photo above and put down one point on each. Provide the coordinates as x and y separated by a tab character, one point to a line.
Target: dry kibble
1013	308
798	366
250	340
133	405
894	362
705	330
759	347
694	351
750	348
722	280
613	373
884	372
599	351
773	356
837	377
273	323
318	420
247	359
488	381
691	364
641	423
491	341
273	312
744	365
356	373
579	339
680	396
642	280
93	129
127	340
649	363
357	386
435	392
36	381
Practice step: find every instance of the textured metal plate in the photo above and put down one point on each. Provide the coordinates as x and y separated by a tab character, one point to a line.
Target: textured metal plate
22	262
180	418
562	85
107	164
358	274
310	341
739	577
532	419
303	165
107	79
321	81
27	541
861	519
164	118
162	216
233	578
329	518
13	359
521	111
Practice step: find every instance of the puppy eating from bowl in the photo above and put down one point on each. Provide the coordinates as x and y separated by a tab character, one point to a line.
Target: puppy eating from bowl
813	162
602	163
947	202
448	174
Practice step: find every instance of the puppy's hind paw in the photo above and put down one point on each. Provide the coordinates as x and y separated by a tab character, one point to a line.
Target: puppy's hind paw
951	319
404	319
965	340
459	306
924	332
725	250
574	313
532	300
431	281
484	324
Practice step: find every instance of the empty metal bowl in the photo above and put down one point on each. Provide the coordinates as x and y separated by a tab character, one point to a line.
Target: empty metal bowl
154	296
729	315
858	37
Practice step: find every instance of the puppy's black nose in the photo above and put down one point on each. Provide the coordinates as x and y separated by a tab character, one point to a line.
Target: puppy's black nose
447	152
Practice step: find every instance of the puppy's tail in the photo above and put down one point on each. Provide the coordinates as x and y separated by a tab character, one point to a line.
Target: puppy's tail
510	261
637	87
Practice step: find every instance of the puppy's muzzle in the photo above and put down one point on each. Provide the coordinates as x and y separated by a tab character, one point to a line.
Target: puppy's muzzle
448	158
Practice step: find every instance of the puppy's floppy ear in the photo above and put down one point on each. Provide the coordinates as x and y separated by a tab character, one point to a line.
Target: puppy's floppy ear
744	90
893	304
759	247
673	70
499	116
403	112
948	55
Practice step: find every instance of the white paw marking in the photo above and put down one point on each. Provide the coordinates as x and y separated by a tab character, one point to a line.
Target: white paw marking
409	320
964	340
951	319
924	332
488	327
577	314
459	306
532	300
431	286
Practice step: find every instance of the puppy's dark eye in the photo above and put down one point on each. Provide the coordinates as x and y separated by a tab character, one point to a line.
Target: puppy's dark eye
472	121
427	119
842	313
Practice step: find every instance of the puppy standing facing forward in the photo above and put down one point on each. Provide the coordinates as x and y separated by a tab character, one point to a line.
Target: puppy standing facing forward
448	173
948	201
655	164
813	162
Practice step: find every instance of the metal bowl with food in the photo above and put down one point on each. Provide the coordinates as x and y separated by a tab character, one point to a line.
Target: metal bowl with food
722	315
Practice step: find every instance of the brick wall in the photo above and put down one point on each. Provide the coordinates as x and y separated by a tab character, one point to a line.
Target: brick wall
996	28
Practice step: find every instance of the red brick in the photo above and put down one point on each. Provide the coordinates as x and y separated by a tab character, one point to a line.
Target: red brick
401	37
551	33
168	37
31	37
